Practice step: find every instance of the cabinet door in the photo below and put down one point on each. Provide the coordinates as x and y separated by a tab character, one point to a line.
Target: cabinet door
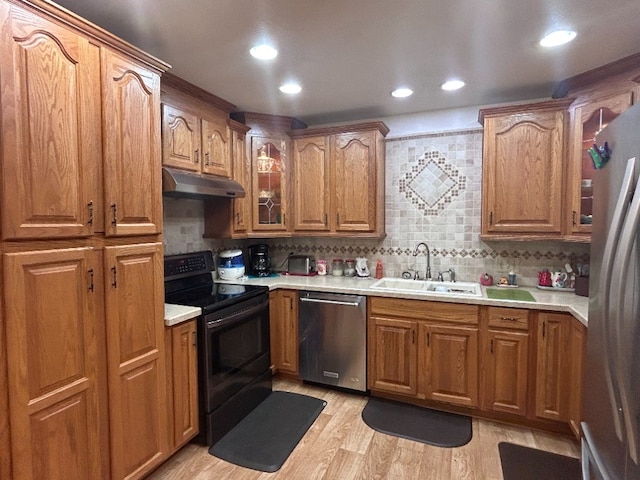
51	141
451	363
578	339
132	167
269	192
216	146
392	355
180	139
552	366
506	371
588	120
184	366
136	358
311	198
530	202
354	181
242	174
283	325
54	350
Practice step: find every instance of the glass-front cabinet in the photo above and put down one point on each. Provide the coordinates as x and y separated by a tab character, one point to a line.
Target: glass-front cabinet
268	165
589	120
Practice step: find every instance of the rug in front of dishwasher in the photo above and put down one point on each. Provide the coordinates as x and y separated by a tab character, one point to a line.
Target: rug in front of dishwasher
265	438
420	424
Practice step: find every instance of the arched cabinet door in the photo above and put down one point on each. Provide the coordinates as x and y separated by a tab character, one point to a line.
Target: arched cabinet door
132	161
50	128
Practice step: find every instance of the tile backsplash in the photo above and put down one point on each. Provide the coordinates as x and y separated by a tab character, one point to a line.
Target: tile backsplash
433	195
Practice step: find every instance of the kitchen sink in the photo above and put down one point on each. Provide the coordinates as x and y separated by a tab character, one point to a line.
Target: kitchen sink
427	286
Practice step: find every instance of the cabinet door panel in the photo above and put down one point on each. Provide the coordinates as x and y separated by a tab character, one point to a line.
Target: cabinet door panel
451	363
136	359
506	372
242	174
269	169
180	139
393	355
283	323
215	146
355	181
132	168
311	184
185	383
50	129
53	362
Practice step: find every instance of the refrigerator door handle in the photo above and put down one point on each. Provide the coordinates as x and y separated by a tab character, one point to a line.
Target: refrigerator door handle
621	320
610	340
590	456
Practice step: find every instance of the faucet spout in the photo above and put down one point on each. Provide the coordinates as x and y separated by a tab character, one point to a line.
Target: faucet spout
415	254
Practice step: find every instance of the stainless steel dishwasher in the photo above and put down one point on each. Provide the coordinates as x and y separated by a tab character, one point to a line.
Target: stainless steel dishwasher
332	334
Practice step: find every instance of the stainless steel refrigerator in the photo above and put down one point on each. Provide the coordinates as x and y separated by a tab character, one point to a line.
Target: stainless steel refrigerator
611	390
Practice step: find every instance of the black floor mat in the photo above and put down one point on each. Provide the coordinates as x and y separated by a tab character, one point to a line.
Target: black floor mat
524	463
417	423
264	439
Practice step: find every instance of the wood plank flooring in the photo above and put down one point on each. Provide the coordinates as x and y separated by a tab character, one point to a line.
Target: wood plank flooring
340	446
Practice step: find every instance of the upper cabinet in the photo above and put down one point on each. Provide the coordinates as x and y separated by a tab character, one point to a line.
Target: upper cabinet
338	177
195	128
530	140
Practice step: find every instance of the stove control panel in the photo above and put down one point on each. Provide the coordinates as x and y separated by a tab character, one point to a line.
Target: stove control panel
188	264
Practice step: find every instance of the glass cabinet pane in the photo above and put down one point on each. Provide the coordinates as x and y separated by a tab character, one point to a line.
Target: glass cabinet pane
269	168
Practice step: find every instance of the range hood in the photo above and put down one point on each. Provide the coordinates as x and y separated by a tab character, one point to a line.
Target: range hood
178	183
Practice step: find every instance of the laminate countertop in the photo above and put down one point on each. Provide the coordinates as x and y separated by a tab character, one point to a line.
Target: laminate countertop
558	301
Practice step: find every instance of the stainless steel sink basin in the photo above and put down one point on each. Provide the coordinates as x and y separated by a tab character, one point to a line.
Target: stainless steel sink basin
427	286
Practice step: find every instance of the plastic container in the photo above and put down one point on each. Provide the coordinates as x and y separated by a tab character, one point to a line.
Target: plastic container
349	268
337	268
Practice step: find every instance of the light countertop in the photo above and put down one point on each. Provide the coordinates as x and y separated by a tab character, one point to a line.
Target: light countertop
545	299
175	314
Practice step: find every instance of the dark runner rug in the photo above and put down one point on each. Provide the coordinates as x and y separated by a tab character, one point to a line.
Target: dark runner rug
417	423
264	439
524	463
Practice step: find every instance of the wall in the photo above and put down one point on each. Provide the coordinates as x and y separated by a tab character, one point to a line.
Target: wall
433	195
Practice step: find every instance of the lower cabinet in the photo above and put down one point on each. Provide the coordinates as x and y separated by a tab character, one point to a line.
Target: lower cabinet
505	361
428	350
283	330
182	383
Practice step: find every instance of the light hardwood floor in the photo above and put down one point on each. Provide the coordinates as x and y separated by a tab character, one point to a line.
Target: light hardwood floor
339	446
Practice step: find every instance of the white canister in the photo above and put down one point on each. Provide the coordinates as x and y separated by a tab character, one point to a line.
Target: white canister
322	267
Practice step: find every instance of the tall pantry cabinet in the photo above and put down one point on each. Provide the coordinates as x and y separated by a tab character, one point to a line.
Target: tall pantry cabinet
82	373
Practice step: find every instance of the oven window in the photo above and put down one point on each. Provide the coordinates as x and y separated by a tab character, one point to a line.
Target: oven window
235	347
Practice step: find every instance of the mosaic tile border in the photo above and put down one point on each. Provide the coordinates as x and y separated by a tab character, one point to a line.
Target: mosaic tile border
434	135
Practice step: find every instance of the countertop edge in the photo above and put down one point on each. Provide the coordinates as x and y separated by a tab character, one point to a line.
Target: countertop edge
177	314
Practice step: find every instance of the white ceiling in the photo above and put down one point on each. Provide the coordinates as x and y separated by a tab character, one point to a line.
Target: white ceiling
349	54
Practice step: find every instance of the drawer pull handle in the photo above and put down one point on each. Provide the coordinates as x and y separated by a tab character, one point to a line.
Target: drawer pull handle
509	319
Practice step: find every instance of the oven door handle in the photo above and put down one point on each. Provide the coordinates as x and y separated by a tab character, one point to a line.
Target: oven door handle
234	317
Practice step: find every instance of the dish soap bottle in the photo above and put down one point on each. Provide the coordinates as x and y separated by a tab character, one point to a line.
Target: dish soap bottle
379	273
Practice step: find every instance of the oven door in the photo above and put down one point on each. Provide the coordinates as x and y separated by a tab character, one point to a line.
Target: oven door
234	350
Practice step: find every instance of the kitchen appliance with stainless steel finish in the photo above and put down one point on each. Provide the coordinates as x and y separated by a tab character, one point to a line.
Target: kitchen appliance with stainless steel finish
611	388
301	265
233	341
259	260
332	336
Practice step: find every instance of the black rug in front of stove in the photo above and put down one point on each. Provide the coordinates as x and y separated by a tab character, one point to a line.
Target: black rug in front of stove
420	424
265	438
524	463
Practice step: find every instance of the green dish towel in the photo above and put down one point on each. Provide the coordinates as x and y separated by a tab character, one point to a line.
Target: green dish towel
510	294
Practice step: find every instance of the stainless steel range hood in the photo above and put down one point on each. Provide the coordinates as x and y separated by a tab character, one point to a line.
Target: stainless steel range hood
178	183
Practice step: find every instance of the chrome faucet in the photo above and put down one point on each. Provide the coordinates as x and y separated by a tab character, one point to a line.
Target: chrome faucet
415	254
452	275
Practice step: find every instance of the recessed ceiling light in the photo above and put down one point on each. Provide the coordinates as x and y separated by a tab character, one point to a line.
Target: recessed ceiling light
263	52
290	88
559	37
452	85
402	92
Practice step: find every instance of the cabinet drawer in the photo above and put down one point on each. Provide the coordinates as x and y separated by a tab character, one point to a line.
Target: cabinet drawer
514	318
424	310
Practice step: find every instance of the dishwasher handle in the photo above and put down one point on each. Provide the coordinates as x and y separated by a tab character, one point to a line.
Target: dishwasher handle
333	302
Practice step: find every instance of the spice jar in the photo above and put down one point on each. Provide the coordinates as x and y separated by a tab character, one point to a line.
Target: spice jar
350	268
337	267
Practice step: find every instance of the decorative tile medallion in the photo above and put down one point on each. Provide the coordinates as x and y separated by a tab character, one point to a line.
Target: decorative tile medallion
432	183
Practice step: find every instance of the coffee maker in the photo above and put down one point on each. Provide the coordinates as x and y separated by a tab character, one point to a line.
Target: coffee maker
259	261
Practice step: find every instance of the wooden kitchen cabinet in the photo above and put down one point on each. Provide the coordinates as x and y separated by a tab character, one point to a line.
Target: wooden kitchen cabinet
50	184
428	350
505	361
241	207
283	327
530	140
195	129
338	177
134	309
182	380
55	355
